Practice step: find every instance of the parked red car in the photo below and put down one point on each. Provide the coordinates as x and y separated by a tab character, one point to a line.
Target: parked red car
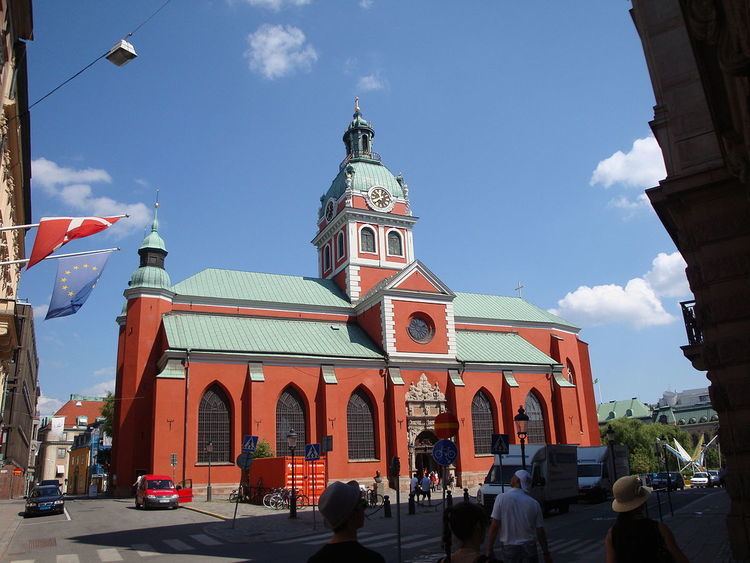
156	491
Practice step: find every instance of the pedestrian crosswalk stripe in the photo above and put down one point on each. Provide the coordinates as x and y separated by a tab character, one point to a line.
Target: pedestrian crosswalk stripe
314	538
109	554
68	558
379	537
178	545
204	539
394	540
563	545
23	561
144	550
420	542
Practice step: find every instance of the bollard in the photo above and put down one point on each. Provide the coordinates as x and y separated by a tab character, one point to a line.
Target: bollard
466	495
386	507
449	499
412	506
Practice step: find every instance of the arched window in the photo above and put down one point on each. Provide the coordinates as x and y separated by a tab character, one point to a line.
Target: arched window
482	423
365	144
367	240
326	258
395	247
340	245
290	414
214	426
535	426
360	426
571	373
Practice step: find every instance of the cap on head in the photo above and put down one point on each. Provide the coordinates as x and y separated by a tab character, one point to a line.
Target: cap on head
629	494
338	502
524	479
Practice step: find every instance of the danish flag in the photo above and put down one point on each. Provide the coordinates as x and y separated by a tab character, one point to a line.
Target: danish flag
53	232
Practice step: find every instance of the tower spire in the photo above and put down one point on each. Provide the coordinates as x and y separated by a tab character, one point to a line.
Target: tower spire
356	105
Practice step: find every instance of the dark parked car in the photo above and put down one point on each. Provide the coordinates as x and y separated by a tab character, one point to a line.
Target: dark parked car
46	499
659	481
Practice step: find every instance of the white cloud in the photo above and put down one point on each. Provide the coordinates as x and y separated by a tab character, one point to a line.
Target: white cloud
40	311
365	4
104	372
72	188
100	389
277	50
371	82
48	406
276	5
637	304
642	167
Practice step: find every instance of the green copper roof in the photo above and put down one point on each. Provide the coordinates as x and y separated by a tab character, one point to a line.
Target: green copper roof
366	175
497	307
222	333
498	347
270	288
153	240
629	408
150	276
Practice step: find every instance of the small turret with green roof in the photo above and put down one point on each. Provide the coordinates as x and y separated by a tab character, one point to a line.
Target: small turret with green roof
153	251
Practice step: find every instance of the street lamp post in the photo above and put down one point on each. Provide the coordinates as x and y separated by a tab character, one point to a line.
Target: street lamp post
664	442
291	441
521	421
611	441
210	452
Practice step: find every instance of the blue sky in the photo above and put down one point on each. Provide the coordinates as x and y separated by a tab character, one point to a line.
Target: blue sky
521	129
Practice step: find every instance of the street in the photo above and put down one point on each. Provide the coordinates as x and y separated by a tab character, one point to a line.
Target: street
96	530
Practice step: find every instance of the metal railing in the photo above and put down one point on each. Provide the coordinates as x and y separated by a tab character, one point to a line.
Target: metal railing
694	332
369	155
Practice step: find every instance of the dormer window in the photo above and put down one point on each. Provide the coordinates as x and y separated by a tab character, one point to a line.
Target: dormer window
367	240
395	247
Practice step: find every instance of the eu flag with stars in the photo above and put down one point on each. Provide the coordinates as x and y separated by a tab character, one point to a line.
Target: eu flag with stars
76	278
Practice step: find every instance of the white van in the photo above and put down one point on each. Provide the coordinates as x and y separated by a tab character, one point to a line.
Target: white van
597	471
554	476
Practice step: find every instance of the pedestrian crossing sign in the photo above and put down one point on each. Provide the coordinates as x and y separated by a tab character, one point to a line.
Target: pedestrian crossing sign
249	444
499	444
312	452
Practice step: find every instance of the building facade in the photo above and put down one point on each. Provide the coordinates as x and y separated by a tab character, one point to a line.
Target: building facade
698	56
18	439
58	433
691	410
367	352
16	26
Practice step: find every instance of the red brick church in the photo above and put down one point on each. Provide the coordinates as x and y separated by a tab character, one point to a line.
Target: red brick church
368	352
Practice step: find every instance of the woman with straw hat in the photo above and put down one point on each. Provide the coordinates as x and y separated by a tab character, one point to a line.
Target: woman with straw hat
634	537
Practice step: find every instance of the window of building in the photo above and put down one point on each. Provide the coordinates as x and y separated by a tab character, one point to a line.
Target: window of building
535	426
367	240
340	245
326	258
365	143
360	425
395	248
61	453
290	414
482	423
214	426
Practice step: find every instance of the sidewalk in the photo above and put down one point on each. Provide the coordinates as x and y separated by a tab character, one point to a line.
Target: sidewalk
9	521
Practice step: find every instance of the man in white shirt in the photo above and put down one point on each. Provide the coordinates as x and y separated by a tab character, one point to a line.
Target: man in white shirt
517	517
425	484
413	485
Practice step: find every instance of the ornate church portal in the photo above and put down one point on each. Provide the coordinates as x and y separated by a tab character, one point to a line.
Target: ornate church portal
424	401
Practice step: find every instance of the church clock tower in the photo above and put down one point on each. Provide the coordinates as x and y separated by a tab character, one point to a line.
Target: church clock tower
364	221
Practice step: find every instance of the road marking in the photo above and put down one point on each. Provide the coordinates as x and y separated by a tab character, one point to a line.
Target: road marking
407	538
563	545
23	561
144	549
69	558
109	554
314	538
204	539
380	536
420	542
65	511
178	545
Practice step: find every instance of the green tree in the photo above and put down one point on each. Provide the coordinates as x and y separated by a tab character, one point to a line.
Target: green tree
108	413
263	449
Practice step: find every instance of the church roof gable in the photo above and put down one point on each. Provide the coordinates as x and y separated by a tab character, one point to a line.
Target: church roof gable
497	307
224	333
498	347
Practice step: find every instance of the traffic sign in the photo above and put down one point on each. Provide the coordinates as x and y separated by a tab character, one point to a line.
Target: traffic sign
312	452
446	425
244	460
444	452
499	444
249	444
17	471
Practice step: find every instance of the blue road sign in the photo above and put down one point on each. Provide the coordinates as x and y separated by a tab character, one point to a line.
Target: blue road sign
499	444
244	460
312	452
249	444
444	452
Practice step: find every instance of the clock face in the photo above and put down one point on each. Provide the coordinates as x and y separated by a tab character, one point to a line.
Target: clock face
380	199
330	209
420	330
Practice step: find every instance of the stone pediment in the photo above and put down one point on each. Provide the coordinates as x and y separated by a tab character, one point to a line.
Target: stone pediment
423	390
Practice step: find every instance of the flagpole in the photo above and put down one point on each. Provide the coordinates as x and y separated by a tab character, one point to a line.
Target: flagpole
85	253
34	225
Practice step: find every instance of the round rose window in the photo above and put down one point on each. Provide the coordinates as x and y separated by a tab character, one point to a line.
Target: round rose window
420	328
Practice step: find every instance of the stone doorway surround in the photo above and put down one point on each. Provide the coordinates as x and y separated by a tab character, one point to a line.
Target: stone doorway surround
424	401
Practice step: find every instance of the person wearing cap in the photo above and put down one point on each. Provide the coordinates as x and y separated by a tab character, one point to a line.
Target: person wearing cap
343	508
634	537
517	518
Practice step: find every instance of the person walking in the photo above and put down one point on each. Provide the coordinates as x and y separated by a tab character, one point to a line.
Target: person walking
414	486
633	535
517	518
426	484
343	508
468	523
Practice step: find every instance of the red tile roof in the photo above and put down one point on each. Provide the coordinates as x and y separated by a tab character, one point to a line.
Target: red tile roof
73	409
